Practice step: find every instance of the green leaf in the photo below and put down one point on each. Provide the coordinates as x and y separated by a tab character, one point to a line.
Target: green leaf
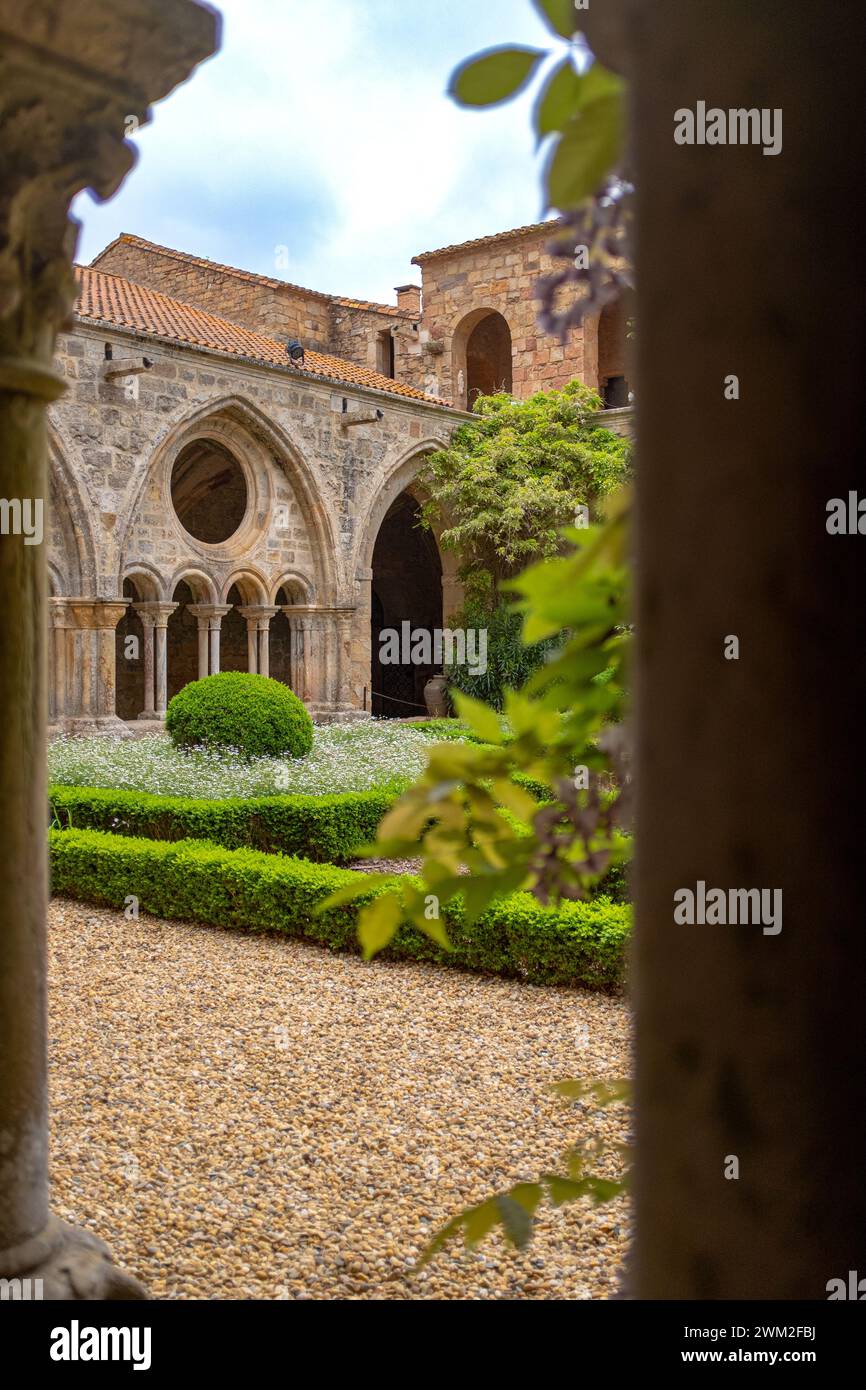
590	147
560	15
435	930
602	1092
604	1189
518	801
478	893
481	719
479	1221
565	1189
516	1220
378	922
559	100
598	81
494	76
364	883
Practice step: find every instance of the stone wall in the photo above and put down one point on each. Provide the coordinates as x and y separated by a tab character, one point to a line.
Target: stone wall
498	274
315	490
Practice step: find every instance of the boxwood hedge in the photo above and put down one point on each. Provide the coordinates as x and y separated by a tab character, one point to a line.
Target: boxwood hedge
327	829
576	944
258	716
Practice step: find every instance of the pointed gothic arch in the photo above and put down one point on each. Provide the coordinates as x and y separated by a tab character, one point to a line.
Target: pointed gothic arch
258	443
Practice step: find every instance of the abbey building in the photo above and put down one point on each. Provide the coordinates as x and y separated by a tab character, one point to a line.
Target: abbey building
233	469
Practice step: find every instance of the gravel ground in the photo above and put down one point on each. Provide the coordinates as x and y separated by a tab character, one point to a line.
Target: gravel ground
249	1117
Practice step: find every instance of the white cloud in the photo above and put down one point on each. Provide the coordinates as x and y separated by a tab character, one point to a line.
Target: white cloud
323	125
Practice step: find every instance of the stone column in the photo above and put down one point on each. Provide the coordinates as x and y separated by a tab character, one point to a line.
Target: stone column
320	660
147	622
62	624
258	619
209	617
83	709
203	630
71	72
107	615
93	710
250	616
264	629
750	771
343	622
296	651
162	613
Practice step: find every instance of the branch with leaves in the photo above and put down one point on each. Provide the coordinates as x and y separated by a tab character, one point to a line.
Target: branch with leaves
579	115
514	1211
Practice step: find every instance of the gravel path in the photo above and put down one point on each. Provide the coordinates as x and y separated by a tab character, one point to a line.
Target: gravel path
248	1117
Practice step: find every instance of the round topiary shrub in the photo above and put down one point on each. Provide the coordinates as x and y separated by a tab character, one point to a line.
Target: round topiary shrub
260	717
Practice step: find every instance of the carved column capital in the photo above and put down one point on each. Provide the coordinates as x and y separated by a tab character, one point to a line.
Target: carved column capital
259	613
211	613
74	74
155	614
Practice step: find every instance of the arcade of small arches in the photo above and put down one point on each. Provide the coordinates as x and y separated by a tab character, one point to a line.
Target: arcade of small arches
115	663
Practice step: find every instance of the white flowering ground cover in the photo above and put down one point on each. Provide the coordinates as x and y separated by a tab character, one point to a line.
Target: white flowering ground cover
357	757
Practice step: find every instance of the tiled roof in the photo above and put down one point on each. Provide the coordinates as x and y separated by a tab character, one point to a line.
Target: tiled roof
112	300
488	240
127	239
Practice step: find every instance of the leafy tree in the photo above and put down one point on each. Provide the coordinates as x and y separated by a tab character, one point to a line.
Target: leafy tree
510	661
512	478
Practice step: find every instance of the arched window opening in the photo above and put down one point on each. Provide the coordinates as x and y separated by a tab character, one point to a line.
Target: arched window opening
130	697
233	635
613	386
182	639
208	491
406	603
488	358
280	642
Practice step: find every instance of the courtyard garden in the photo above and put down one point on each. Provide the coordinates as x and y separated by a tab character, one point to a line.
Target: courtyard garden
259	843
264	1114
436	1119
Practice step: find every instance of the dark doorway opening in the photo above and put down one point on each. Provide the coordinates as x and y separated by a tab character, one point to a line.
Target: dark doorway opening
488	358
407	588
385	354
182	639
613	386
129	659
280	643
233	636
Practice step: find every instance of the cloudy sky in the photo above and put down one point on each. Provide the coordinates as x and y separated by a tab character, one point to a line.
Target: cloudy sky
323	127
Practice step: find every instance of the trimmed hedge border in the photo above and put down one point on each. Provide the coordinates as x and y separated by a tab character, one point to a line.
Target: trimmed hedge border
327	829
576	944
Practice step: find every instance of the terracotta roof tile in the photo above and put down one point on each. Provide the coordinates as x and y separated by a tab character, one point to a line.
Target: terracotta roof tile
550	226
113	300
127	239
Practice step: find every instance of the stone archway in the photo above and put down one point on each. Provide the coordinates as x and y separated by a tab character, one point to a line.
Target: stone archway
223	477
280	642
406	600
481	357
193	631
